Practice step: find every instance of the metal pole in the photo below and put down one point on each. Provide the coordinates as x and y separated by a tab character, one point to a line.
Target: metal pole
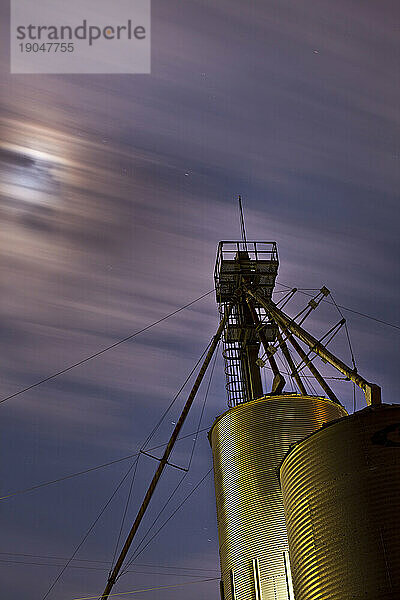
313	369
371	390
249	353
163	461
292	366
279	381
242	223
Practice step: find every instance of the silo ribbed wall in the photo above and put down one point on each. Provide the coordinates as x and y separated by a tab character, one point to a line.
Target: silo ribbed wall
341	490
249	442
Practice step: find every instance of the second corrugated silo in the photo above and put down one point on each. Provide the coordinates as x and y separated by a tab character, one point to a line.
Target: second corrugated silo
249	441
341	492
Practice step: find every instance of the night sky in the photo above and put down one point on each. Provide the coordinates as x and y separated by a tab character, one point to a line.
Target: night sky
115	191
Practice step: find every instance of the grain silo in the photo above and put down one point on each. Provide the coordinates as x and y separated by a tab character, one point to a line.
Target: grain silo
249	441
341	490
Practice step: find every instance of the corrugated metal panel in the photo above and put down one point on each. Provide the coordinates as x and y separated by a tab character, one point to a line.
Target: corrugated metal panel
249	442
341	490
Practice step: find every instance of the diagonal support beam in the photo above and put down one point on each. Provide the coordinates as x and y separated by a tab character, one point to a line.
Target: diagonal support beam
164	460
279	381
313	369
371	390
292	366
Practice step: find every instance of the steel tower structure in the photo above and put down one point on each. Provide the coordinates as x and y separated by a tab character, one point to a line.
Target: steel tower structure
252	438
281	539
256	264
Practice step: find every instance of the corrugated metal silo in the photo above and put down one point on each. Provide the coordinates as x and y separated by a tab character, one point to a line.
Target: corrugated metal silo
249	441
341	491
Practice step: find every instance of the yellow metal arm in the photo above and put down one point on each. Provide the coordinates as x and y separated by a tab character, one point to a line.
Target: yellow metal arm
371	390
164	460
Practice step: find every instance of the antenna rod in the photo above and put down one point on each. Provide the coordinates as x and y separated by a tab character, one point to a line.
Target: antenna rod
163	461
242	223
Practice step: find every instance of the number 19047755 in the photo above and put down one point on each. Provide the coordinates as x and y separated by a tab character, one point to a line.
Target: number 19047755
47	47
